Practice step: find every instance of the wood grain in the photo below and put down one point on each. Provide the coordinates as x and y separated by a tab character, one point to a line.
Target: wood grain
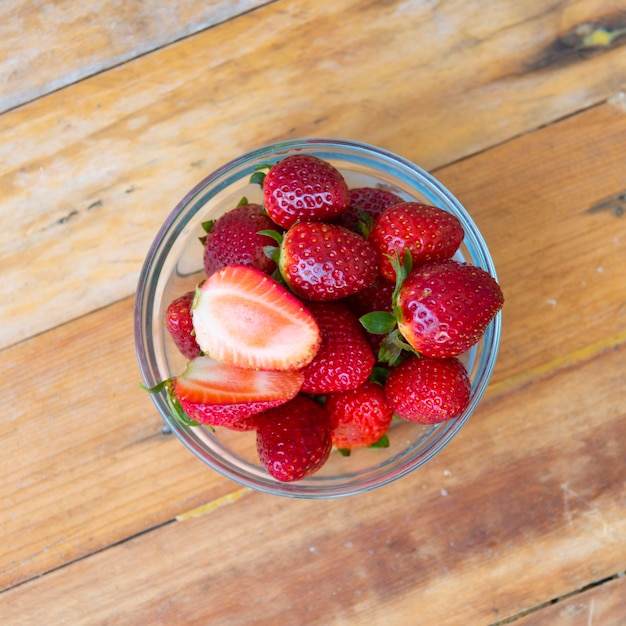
107	159
87	448
525	505
602	605
45	46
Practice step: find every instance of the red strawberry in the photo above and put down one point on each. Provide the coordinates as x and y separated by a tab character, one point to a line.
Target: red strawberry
360	417
210	392
428	391
303	187
430	233
344	359
180	327
371	201
326	262
245	318
445	307
233	239
293	440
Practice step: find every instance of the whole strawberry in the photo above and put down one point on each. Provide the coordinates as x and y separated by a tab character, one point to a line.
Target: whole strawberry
180	327
360	417
293	440
429	233
366	205
428	391
444	307
303	187
344	359
324	262
234	239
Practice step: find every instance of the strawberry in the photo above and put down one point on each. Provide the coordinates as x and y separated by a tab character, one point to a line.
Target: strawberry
360	417
443	308
344	359
427	390
180	327
245	318
293	440
303	187
234	239
323	262
429	233
366	205
217	394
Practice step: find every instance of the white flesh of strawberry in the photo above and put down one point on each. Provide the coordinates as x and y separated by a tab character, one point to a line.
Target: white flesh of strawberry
243	317
206	381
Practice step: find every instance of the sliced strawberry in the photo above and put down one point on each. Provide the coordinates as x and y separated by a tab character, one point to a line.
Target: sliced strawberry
243	317
219	394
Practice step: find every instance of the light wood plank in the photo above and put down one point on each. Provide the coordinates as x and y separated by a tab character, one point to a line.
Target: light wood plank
604	605
45	46
89	173
550	206
527	504
85	459
101	437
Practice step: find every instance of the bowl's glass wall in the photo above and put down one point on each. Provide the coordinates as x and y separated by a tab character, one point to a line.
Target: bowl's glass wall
174	265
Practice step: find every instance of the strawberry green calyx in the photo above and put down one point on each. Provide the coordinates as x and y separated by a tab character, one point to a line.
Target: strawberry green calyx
259	174
272	252
167	385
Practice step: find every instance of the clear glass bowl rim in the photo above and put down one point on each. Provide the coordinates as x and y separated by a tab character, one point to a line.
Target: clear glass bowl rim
226	463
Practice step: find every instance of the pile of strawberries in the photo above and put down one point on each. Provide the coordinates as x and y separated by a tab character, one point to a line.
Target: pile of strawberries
326	312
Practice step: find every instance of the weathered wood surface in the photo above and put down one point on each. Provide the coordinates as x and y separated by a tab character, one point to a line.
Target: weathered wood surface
109	158
45	46
106	519
526	505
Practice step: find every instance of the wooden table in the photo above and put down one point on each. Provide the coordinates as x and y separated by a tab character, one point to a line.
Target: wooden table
111	111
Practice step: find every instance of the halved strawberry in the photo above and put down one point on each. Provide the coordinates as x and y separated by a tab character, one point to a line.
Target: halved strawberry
243	317
219	394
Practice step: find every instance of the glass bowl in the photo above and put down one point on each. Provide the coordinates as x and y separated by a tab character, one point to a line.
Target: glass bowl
174	265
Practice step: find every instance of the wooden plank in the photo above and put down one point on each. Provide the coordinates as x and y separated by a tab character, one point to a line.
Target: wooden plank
527	504
91	171
550	205
602	605
47	46
83	448
103	513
